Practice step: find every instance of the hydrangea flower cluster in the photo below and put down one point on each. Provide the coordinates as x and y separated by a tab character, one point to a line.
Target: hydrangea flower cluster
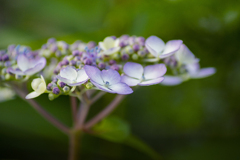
113	65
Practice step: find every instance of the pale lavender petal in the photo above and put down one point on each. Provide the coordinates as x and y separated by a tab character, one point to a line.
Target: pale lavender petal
154	45
67	81
94	74
185	56
111	76
78	83
17	72
171	80
151	82
102	87
154	71
130	81
69	72
121	88
34	62
23	62
35	69
134	70
171	48
32	95
205	72
82	76
193	68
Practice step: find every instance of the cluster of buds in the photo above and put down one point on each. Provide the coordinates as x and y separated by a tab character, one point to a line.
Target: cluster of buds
114	65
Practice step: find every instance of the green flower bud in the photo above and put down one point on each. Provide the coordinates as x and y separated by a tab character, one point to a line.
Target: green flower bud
89	85
51	96
135	57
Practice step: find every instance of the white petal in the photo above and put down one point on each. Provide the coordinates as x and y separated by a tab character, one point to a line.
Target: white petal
151	82
32	95
172	46
69	73
185	56
109	43
41	88
23	62
111	51
102	46
154	43
82	75
35	83
154	71
134	70
130	81
121	88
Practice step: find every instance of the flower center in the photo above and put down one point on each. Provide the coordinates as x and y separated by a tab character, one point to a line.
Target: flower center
107	83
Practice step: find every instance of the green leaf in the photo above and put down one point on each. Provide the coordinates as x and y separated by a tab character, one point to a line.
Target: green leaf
113	129
138	144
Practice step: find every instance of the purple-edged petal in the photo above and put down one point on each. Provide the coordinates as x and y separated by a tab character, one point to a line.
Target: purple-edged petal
134	70
154	71
23	62
69	72
130	81
121	88
65	80
17	72
205	72
78	83
82	76
171	47
171	80
111	76
35	69
151	82
34	62
154	45
94	74
102	87
111	50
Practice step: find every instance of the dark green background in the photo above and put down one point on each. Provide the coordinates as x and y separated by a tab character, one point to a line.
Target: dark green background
196	120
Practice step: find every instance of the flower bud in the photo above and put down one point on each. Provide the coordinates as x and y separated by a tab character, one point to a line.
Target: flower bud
136	47
89	85
5	57
51	96
125	57
56	90
66	89
101	65
135	57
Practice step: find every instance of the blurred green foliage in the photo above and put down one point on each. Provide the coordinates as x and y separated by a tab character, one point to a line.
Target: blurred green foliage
196	120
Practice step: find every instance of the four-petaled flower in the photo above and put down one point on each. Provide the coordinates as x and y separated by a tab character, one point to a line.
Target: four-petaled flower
28	66
39	87
135	74
109	45
72	77
185	56
107	80
159	49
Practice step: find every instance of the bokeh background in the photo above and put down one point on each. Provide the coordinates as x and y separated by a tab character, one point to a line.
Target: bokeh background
199	119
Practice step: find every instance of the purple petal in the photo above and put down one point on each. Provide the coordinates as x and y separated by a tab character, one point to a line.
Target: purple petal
94	74
205	72
134	70
34	62
154	71
171	48
102	87
154	45
151	82
111	76
35	69
171	80
130	81
23	62
121	88
17	72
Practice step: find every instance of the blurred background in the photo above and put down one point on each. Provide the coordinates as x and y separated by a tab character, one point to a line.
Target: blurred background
199	119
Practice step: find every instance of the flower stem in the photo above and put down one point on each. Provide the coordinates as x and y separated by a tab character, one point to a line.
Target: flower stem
74	144
74	107
43	112
104	112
